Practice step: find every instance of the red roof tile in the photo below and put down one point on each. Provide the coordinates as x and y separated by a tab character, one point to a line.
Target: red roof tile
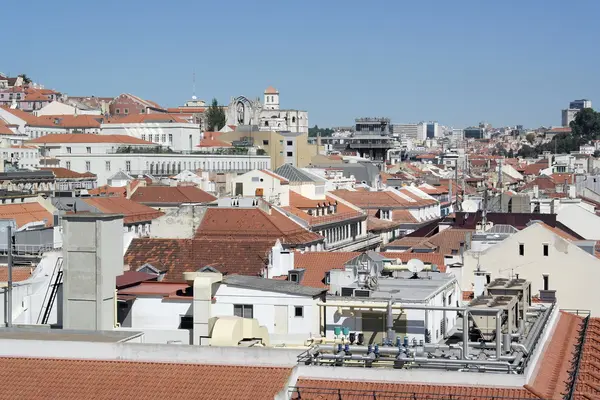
64	173
369	200
18	273
25	213
534	169
253	223
375	224
145	118
427	258
104	380
175	256
403	216
132	212
71	121
107	190
131	278
317	264
317	389
171	195
210	142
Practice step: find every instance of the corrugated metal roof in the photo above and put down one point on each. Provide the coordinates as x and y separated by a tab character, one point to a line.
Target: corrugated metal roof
272	285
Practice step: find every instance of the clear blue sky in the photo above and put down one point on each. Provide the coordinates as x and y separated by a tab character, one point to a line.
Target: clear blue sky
458	62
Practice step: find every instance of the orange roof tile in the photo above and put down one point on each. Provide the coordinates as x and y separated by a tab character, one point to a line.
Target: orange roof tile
171	195
71	121
281	179
210	142
253	223
559	232
18	273
108	191
318	389
104	380
271	90
316	265
403	216
369	200
4	129
427	258
132	211
64	173
244	256
144	118
376	224
87	138
25	213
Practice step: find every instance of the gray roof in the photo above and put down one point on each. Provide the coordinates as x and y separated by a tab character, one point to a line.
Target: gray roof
120	175
504	229
294	174
362	171
271	285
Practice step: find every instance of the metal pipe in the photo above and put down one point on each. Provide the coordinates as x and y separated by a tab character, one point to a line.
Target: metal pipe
520	331
390	322
519	347
498	334
9	288
506	340
455	362
465	335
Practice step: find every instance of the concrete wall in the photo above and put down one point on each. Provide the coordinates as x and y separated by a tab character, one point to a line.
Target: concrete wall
573	272
178	223
93	258
264	304
272	188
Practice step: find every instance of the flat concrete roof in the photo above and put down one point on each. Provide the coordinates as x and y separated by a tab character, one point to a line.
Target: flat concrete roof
68	335
406	288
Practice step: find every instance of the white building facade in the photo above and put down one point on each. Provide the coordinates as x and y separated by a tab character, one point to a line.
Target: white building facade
178	136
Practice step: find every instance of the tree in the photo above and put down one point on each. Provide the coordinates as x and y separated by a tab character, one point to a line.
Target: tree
215	117
511	153
597	153
316	131
530	137
26	79
527	152
586	124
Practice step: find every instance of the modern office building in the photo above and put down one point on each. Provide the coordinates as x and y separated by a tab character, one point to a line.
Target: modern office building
575	106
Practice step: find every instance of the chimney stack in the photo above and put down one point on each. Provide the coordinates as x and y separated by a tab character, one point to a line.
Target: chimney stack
93	258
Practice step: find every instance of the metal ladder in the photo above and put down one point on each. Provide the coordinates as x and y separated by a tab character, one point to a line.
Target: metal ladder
51	292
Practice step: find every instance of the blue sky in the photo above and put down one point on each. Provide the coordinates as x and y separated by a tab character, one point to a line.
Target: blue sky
458	62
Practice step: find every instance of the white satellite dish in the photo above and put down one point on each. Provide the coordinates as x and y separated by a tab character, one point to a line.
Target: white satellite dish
415	265
469	206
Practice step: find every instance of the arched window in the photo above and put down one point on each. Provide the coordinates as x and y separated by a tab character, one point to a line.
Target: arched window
293	120
266	123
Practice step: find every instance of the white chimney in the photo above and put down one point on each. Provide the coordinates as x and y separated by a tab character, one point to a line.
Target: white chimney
572	190
282	261
536	192
481	278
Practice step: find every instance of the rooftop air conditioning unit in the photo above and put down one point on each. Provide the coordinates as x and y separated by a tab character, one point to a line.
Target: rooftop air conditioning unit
347	291
361	293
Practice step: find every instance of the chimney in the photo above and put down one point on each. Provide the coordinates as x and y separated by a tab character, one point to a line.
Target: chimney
536	192
93	258
572	191
481	280
282	261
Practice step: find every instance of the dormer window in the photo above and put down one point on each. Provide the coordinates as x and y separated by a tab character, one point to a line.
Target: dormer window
293	277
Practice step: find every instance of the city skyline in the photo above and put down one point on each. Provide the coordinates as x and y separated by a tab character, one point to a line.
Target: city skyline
458	64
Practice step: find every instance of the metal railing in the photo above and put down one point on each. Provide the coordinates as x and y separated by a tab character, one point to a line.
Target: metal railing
313	393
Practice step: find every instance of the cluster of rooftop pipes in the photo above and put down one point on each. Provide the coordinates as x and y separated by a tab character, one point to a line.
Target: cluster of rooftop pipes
401	353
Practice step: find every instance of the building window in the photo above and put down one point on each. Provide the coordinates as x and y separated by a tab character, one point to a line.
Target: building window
107	165
164	137
118	111
294	278
128	166
243	310
170	138
266	123
88	166
298	311
88	150
186	322
289	153
289	143
68	164
293	119
157	138
521	249
126	111
68	150
265	142
545	250
143	136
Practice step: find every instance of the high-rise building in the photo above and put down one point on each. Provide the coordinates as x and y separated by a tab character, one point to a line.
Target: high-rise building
405	131
433	130
575	106
474	133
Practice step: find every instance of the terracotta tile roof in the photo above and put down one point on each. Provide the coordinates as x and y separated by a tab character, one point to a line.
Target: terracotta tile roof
448	241
4	129
64	173
317	264
210	142
88	379
253	223
551	377
18	273
279	177
403	216
108	191
299	203
543	182
154	288
467	295
25	116
369	200
175	256
71	121
317	389
132	212
25	213
89	138
534	169
375	224
271	90
171	195
145	118
559	130
407	241
561	178
559	232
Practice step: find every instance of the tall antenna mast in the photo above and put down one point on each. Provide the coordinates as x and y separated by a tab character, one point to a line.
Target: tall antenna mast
194	85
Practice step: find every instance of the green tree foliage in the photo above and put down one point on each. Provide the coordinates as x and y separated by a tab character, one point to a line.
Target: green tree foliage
584	128
530	137
26	79
215	117
315	131
527	152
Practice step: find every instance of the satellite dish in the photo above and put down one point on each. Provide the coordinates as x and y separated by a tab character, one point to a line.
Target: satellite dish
415	265
469	206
